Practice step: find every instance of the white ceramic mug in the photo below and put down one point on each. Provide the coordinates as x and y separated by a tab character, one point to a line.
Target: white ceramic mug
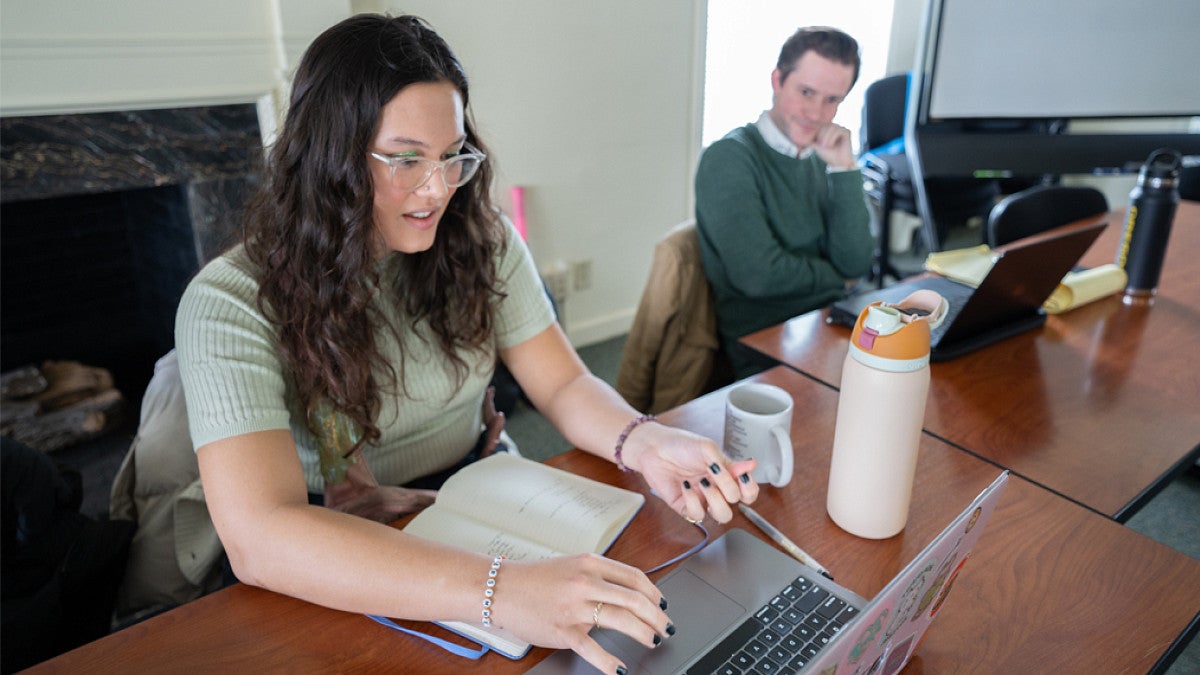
758	421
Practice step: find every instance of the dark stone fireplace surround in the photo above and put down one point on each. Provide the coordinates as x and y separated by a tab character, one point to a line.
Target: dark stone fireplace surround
104	217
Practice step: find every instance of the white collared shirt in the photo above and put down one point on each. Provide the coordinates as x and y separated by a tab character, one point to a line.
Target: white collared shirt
779	141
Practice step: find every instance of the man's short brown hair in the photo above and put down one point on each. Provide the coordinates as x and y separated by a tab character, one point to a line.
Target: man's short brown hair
830	43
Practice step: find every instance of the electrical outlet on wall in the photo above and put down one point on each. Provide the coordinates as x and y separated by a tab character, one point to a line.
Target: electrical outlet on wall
581	275
557	277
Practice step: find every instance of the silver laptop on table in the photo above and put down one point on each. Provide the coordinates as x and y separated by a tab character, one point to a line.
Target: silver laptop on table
742	606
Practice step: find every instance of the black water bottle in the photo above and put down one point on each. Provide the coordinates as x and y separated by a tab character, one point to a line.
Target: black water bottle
1148	225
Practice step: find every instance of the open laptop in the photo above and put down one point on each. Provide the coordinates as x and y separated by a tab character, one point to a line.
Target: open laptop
1008	300
742	606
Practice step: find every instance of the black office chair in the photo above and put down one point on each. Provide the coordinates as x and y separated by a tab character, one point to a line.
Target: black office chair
884	164
1040	208
952	200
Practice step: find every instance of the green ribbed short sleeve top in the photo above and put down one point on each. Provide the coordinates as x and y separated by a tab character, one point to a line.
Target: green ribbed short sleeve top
234	384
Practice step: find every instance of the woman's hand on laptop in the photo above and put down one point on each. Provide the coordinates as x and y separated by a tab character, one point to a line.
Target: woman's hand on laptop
561	599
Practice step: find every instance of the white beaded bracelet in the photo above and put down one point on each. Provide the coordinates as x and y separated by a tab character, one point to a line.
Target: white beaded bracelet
490	590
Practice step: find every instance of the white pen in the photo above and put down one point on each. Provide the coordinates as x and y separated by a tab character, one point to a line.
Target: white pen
787	544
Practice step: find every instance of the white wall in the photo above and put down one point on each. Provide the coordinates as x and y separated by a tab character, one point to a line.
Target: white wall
907	16
59	56
594	109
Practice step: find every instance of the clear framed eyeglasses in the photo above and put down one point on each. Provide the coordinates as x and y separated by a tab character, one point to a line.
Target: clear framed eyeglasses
411	172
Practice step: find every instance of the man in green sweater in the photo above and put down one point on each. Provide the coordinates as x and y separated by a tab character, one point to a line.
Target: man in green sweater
780	207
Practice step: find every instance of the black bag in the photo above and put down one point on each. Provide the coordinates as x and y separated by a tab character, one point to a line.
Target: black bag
60	568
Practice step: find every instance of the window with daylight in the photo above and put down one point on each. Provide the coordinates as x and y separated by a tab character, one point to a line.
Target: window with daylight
744	37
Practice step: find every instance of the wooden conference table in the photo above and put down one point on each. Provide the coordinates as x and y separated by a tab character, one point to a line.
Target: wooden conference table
1101	405
1051	587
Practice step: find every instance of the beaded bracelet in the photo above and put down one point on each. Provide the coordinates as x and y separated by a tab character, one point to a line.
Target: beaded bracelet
490	590
625	434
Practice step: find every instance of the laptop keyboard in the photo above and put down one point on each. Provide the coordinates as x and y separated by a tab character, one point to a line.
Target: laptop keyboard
783	635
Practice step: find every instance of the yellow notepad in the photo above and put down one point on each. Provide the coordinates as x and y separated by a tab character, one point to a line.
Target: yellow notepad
965	265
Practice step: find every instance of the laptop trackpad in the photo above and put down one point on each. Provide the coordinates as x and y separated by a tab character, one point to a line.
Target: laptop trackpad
700	614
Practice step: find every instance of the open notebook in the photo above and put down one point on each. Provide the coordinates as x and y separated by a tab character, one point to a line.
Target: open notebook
524	510
741	606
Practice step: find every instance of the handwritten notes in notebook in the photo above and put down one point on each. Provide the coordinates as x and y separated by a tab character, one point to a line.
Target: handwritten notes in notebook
525	510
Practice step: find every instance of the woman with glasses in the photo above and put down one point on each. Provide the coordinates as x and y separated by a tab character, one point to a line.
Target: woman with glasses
340	355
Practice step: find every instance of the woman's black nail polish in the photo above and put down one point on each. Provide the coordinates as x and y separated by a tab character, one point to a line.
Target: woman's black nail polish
715	468
670	629
622	670
662	604
687	485
657	640
745	478
705	483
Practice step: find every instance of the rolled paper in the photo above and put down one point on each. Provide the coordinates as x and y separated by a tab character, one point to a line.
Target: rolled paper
1080	288
518	205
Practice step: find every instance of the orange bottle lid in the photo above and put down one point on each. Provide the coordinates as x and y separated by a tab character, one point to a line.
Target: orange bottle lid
888	339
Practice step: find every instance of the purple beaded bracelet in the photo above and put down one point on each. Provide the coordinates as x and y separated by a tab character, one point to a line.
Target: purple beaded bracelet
625	434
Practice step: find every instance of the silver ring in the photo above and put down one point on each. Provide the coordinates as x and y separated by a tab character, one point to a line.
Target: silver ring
691	520
596	614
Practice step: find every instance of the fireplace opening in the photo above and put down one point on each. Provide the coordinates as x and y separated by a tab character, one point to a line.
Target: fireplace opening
104	218
95	278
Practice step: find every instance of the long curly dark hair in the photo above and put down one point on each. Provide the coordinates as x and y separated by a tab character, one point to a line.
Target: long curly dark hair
310	227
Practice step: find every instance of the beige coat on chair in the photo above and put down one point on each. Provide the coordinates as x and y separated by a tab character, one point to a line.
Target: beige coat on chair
672	354
175	555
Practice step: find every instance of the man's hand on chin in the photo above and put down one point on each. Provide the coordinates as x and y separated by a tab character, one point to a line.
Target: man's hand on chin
832	145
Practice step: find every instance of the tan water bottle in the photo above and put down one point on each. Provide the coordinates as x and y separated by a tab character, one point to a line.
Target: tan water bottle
881	409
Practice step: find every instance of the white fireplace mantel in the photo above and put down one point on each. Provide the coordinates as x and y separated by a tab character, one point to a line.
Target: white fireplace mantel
60	57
